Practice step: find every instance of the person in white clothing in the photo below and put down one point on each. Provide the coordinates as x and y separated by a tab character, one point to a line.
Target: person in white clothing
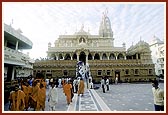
107	83
103	84
116	79
52	97
158	95
75	85
91	85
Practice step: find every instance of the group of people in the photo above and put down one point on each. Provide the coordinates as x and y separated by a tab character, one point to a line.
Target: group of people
69	88
73	86
105	84
34	96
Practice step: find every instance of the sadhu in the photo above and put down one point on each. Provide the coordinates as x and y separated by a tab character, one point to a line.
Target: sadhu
17	100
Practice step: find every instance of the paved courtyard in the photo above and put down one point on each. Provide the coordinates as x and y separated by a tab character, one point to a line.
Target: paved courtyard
120	97
129	97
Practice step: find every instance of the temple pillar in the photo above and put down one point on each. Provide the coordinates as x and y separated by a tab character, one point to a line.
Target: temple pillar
77	57
6	42
136	56
86	56
100	54
16	48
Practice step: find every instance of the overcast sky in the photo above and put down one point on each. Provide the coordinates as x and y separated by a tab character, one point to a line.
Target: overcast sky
44	22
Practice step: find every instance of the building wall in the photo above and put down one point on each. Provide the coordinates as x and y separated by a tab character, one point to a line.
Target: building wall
135	70
99	52
16	63
158	55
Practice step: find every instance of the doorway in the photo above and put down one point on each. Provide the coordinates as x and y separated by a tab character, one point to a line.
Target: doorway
82	57
117	74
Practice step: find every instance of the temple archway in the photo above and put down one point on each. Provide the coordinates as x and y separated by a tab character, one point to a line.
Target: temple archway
104	57
117	74
82	57
74	57
89	57
97	57
67	57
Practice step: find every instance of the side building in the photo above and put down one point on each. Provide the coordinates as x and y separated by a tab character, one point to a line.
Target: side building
16	64
158	55
99	55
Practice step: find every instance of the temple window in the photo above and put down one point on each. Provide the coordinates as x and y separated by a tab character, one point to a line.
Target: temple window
99	72
82	40
60	56
134	56
74	57
104	57
139	57
67	57
97	57
65	73
112	57
108	73
48	71
127	71
150	71
89	57
120	56
136	72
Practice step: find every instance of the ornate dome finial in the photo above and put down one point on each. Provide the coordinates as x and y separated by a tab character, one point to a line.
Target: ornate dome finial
82	27
140	38
106	12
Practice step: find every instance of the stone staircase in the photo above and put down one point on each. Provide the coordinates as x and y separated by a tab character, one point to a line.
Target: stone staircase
90	101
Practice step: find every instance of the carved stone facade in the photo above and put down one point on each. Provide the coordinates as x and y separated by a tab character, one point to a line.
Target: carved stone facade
98	51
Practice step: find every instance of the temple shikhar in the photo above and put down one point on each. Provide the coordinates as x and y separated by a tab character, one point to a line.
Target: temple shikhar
99	56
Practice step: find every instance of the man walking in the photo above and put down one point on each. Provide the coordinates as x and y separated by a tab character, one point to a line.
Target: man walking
158	94
81	87
67	91
52	97
116	79
107	83
103	84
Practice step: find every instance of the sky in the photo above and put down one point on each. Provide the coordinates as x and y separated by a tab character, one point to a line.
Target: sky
44	22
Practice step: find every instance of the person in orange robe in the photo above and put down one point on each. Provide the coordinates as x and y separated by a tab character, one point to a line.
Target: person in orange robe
25	89
81	87
16	98
67	91
34	94
41	98
30	89
44	83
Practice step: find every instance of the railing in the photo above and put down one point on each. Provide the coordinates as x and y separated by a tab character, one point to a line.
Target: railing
15	56
104	62
91	62
15	53
55	63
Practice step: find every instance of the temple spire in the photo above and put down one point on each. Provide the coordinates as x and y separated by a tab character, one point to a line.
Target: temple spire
82	27
105	26
106	12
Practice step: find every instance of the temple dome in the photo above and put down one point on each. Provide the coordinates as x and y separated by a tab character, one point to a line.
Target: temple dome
141	46
82	32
